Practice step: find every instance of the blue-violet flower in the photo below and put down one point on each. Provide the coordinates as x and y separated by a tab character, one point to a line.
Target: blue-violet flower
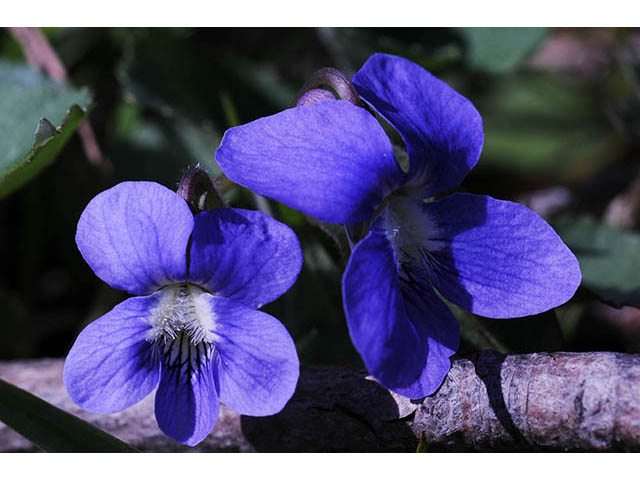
332	160
193	329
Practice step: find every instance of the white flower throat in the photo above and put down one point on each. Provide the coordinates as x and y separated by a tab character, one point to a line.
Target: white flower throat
183	325
409	229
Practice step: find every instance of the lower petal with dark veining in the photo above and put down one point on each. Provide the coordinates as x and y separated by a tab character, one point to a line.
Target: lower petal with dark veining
435	322
403	331
186	401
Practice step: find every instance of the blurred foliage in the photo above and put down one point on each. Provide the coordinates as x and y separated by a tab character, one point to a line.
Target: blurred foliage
609	259
542	127
499	50
561	110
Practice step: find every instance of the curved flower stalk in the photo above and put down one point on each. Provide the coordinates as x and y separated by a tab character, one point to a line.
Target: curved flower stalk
333	160
193	329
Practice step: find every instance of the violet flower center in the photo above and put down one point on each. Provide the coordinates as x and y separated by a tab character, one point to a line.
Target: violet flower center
183	325
408	228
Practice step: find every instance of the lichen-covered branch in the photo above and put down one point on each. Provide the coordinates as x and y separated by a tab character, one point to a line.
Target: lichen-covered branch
537	402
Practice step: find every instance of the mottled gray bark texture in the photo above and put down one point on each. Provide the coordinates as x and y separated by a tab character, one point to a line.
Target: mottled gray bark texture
490	402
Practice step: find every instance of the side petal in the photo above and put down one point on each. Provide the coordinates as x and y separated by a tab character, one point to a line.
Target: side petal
257	366
134	236
441	129
330	160
402	330
244	255
111	365
497	258
186	401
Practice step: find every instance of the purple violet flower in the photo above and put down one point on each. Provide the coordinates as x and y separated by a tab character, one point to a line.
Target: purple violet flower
193	329
332	160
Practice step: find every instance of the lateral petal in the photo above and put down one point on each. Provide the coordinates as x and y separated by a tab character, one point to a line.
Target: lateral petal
257	366
111	365
497	258
244	255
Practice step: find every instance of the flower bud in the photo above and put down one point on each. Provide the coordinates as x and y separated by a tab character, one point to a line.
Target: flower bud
198	190
330	80
314	96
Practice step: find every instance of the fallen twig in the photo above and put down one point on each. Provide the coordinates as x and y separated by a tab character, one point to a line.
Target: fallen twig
537	402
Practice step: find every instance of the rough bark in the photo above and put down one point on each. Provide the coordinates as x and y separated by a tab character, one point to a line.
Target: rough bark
490	402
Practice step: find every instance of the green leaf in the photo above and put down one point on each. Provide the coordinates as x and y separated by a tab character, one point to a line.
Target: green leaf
50	428
422	444
31	101
48	143
499	50
609	258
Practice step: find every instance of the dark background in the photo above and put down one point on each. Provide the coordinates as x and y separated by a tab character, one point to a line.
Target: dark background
561	110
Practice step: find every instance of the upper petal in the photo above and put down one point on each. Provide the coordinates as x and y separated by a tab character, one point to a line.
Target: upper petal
257	367
134	236
111	365
186	401
441	129
330	160
497	258
403	331
244	255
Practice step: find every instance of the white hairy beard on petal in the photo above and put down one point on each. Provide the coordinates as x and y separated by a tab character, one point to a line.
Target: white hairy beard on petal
182	324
